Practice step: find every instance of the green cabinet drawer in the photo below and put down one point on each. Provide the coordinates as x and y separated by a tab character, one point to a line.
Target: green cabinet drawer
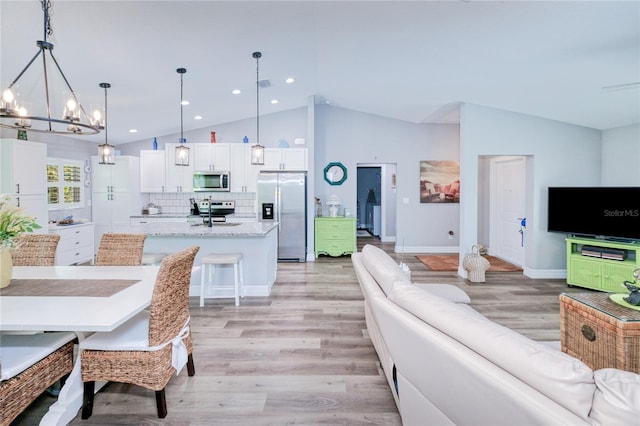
335	236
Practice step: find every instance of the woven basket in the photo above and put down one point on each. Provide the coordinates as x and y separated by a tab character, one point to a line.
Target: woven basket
475	265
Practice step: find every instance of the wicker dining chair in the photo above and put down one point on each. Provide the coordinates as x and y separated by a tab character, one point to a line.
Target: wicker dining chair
35	250
148	349
120	250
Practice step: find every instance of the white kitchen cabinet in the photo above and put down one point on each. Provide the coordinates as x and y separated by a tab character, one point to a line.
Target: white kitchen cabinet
23	176
76	244
244	175
153	171
285	159
178	178
211	157
116	194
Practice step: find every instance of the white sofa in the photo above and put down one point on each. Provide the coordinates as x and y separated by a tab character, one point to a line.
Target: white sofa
447	364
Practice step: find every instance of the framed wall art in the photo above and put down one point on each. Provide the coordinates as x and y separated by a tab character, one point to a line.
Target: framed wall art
439	181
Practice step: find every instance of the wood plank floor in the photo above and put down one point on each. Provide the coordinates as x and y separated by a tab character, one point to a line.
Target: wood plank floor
302	355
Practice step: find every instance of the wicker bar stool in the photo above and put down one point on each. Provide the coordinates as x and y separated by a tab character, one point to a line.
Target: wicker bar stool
209	263
152	346
35	250
120	250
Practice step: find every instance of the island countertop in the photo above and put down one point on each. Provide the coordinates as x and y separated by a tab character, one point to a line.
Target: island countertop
223	229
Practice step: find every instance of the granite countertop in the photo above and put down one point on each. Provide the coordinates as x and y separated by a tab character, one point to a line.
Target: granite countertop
224	229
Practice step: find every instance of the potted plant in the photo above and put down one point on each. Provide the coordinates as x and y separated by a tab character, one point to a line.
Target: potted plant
13	222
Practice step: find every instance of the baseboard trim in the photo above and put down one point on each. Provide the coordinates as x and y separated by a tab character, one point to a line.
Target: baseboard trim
426	249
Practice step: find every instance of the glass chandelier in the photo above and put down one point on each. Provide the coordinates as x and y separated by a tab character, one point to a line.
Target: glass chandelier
182	150
257	150
16	113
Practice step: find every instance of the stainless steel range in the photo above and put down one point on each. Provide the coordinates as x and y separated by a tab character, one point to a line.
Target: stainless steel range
216	211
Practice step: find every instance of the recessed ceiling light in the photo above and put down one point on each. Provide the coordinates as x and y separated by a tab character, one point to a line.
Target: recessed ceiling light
184	103
236	91
274	101
133	130
197	117
289	80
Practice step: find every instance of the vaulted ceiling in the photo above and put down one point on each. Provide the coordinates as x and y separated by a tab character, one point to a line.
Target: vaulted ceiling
408	60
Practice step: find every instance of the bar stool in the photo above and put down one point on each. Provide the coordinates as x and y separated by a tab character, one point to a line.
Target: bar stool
153	258
211	260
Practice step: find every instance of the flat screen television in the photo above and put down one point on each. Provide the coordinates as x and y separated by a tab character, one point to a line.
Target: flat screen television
604	212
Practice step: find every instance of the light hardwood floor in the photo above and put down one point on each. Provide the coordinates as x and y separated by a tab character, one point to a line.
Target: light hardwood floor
302	355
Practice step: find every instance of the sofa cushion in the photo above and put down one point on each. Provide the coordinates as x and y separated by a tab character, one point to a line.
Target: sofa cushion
20	351
446	291
562	378
382	268
617	397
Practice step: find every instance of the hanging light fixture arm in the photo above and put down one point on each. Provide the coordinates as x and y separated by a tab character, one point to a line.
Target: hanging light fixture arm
182	151
257	151
21	120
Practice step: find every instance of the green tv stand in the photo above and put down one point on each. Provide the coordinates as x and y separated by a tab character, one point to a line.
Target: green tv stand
586	269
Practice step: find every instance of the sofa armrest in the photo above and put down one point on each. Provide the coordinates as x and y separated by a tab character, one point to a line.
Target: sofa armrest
616	400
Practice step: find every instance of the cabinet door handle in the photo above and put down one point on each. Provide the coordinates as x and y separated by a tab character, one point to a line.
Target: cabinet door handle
17	188
17	201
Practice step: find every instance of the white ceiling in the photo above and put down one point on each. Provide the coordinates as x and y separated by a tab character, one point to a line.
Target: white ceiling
409	60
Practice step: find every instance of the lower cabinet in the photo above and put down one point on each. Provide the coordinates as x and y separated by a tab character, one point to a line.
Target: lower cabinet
600	264
335	236
75	245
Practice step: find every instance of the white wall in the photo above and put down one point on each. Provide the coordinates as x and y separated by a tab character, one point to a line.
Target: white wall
353	137
560	154
621	156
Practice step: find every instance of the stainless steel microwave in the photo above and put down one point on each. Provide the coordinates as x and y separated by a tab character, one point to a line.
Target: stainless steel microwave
207	181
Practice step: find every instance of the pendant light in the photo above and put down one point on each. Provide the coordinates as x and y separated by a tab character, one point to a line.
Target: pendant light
257	150
106	152
15	113
182	151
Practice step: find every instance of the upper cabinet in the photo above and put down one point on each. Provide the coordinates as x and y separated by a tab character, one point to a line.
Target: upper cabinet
244	175
153	171
211	156
178	178
23	176
23	167
285	159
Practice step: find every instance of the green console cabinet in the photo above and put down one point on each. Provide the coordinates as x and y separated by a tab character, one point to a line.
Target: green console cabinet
600	264
335	236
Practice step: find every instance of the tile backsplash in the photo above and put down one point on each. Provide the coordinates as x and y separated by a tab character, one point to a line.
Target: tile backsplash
178	203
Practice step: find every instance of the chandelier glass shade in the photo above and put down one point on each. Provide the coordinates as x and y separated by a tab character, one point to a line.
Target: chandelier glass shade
44	116
182	150
257	150
106	152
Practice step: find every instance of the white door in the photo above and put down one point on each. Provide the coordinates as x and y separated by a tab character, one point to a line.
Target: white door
508	201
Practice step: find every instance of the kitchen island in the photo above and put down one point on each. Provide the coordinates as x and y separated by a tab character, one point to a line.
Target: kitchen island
257	241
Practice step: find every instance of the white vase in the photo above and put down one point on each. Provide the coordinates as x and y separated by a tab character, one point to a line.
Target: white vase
6	267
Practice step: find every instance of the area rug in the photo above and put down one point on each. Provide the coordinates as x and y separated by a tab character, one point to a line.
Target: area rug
449	262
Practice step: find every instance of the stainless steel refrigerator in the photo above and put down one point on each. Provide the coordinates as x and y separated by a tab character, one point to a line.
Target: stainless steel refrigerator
282	197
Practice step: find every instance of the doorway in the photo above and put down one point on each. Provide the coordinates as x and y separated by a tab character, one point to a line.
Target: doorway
376	201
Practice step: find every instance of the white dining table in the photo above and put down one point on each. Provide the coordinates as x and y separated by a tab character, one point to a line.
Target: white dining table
82	314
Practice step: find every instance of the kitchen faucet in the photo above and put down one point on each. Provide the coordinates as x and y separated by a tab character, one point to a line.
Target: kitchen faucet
210	221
